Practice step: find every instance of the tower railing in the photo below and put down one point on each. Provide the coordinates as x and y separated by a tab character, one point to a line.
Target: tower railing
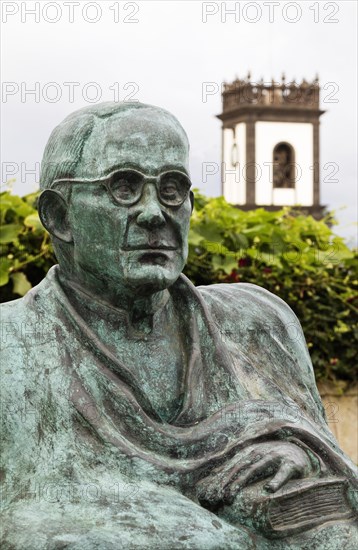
242	93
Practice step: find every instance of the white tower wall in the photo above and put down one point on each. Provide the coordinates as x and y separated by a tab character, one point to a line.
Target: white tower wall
300	136
233	167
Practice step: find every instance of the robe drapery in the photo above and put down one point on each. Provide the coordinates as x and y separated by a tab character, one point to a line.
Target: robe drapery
87	459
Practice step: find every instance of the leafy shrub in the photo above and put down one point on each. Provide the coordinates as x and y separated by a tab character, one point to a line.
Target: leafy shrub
25	248
292	255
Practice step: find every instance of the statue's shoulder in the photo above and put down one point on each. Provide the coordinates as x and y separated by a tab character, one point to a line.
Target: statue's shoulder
256	319
28	345
245	298
23	317
9	311
28	302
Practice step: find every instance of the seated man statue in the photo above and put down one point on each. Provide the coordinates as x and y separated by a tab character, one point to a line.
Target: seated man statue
127	420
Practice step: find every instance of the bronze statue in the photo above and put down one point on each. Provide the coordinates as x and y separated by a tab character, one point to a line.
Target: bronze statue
128	421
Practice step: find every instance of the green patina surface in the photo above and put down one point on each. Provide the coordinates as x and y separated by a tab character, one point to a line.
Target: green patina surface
137	410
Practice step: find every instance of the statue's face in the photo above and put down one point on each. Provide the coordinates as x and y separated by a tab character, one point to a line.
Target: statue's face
133	234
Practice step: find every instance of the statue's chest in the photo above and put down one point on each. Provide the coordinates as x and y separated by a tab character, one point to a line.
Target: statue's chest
157	359
158	366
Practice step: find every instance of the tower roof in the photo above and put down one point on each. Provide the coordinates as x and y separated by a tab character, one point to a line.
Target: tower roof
268	100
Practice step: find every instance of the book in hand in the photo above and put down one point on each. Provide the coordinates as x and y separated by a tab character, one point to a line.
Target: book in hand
297	507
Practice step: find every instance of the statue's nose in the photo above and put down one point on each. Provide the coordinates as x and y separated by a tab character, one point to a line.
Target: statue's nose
150	214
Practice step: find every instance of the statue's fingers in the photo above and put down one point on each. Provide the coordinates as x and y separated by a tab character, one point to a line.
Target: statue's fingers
284	474
233	472
235	461
240	466
212	487
227	476
262	468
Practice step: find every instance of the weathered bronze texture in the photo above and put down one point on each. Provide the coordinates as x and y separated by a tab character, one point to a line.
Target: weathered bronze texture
137	410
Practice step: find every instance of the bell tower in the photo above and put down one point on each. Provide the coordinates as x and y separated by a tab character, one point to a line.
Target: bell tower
270	144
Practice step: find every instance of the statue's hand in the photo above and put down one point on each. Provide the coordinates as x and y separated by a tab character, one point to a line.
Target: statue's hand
279	460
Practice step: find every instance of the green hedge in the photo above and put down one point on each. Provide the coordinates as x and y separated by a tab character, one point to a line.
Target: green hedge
294	256
25	247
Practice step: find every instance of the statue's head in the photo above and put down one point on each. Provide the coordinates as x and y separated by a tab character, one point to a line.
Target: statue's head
116	196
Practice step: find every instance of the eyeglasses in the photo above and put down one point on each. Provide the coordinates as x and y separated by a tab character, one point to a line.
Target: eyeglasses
126	186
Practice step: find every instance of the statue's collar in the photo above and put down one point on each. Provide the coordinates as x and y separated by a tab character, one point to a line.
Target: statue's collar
89	304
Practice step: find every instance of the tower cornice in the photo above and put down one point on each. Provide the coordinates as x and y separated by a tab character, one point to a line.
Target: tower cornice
284	113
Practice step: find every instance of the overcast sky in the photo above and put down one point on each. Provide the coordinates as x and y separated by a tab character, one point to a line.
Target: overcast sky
163	53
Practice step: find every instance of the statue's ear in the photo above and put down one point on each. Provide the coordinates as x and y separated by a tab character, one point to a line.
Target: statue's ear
52	209
192	200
